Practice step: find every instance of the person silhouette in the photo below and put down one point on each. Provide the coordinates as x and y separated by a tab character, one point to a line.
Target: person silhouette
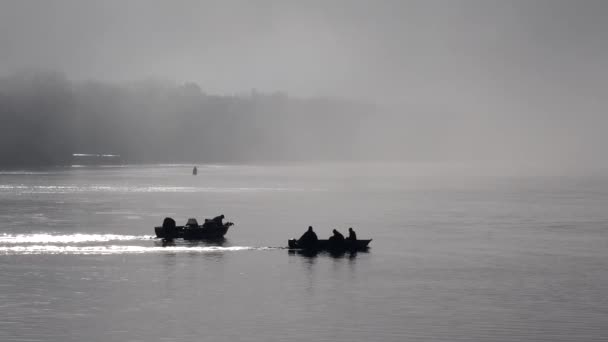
308	238
337	237
351	234
218	220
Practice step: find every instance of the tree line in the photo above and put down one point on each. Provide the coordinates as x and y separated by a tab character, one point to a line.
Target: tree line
46	118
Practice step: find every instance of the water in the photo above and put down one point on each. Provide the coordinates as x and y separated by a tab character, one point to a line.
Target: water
454	257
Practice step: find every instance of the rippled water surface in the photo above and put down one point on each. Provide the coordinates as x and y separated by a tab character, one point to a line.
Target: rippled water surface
454	257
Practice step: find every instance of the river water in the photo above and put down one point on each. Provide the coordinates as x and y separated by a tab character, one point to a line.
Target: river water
453	257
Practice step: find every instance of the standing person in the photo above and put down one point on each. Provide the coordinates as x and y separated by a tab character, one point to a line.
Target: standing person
194	171
351	234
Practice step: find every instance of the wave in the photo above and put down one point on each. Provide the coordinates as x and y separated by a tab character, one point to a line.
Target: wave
100	244
71	238
63	189
116	249
23	172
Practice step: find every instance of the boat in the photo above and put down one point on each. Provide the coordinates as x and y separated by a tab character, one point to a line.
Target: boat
210	230
327	245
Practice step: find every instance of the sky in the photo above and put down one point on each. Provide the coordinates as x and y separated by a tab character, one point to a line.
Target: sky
397	51
537	68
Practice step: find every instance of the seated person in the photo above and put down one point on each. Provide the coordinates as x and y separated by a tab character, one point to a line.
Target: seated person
351	235
337	237
218	220
308	238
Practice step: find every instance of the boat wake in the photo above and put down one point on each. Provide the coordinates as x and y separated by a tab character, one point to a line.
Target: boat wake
72	189
118	249
69	238
103	244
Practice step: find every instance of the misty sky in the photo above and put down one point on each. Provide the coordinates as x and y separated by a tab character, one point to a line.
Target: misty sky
531	72
402	51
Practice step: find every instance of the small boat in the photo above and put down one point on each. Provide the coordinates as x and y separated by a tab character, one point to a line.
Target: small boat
210	230
327	245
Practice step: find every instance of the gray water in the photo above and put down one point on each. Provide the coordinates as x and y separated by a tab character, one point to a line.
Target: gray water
454	257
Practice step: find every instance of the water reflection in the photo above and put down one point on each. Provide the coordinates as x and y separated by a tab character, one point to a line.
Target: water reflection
207	243
169	260
191	243
215	255
343	254
165	243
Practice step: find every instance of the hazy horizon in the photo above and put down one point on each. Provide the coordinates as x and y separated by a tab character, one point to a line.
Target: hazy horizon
457	145
387	51
462	80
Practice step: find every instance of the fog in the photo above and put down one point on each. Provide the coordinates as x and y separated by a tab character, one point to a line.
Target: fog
47	118
514	82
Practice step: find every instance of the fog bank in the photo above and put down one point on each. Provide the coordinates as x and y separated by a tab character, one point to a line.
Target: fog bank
514	82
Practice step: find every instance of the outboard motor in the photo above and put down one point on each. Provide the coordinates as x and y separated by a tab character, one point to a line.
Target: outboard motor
169	228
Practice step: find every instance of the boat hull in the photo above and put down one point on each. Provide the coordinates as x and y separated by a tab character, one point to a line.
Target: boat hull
200	232
327	245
